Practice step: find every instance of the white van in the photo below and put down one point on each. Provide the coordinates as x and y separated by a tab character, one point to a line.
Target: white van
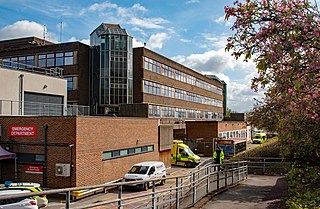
146	171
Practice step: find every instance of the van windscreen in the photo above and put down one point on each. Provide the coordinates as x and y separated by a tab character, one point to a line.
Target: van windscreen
139	169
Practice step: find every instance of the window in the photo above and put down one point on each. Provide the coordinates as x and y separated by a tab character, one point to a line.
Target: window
71	83
151	88
154	110
68	58
30	61
59	59
107	155
50	60
151	65
126	152
55	59
137	150
42	60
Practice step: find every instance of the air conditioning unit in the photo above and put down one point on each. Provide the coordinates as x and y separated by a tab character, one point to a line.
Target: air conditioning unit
62	169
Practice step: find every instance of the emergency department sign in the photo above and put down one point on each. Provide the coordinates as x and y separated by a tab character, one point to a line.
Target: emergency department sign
23	131
34	169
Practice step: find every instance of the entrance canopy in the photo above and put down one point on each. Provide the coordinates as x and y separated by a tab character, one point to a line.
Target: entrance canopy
4	154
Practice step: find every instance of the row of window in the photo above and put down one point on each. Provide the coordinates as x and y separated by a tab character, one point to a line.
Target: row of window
55	59
176	112
126	152
156	67
44	60
166	91
233	134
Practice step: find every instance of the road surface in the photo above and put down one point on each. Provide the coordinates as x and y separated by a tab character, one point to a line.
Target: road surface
257	192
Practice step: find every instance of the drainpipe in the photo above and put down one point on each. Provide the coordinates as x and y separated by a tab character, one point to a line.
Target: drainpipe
71	164
20	93
45	127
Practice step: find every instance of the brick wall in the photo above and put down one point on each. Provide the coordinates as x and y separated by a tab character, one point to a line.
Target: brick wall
96	135
202	129
231	125
91	137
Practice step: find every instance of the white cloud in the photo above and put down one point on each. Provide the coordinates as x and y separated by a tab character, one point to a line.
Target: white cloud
223	65
156	40
136	43
185	40
215	61
149	23
84	41
138	7
192	1
142	32
128	15
102	6
215	41
25	28
221	20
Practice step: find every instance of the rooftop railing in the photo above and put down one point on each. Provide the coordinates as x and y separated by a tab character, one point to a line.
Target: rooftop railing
15	108
55	71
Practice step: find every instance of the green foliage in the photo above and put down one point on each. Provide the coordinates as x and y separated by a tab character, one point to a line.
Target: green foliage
270	148
304	187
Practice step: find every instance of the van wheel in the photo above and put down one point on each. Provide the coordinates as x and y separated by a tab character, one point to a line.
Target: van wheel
189	164
162	182
146	186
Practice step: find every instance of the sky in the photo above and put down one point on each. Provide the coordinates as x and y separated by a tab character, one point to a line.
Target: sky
191	32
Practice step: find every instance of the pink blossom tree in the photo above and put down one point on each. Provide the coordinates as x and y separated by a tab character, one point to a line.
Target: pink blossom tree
283	39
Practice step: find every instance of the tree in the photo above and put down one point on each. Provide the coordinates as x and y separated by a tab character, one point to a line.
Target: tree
283	39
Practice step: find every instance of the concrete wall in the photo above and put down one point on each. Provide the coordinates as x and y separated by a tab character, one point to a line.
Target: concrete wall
9	87
165	137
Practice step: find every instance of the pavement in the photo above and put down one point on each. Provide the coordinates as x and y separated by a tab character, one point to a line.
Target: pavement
257	192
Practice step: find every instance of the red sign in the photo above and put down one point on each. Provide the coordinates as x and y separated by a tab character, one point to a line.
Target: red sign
37	169
23	131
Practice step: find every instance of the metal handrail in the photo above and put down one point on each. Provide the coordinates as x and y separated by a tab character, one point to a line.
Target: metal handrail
54	72
10	107
197	178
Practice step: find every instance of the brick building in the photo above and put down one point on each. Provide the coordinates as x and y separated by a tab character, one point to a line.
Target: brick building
102	149
73	57
201	134
168	90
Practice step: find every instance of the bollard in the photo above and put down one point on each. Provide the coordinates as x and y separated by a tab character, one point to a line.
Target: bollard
208	180
218	179
226	176
68	199
153	195
177	193
194	189
120	197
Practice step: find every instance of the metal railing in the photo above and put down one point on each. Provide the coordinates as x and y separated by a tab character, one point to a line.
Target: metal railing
267	165
54	71
188	189
9	107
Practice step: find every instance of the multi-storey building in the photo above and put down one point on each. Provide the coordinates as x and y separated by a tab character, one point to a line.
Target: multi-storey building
168	90
73	57
111	64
